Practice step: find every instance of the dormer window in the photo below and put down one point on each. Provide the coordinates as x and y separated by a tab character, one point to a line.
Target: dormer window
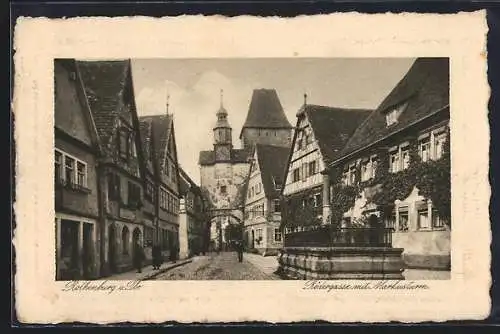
392	115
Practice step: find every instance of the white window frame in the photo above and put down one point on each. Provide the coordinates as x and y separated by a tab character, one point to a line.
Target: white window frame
274	205
424	141
317	203
277	232
75	168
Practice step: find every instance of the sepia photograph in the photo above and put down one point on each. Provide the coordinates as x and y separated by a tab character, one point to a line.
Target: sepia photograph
252	169
252	166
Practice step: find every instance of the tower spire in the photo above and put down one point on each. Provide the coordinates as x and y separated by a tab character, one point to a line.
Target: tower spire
305	98
222	98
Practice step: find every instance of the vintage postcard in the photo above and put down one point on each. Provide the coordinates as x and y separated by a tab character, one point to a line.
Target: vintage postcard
212	169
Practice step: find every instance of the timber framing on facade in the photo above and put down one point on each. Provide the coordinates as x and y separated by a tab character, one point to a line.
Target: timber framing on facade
117	178
391	155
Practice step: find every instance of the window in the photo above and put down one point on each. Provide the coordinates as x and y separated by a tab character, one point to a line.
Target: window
223	190
296	175
134	194
392	116
259	233
405	157
277	235
352	174
437	222
299	140
69	170
277	205
368	168
114	187
130	146
312	168
257	186
424	148
317	200
403	220
423	219
123	142
394	162
81	174
345	177
58	167
439	146
163	199
149	190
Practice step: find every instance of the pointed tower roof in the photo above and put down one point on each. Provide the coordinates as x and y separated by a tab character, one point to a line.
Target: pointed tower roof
266	111
222	121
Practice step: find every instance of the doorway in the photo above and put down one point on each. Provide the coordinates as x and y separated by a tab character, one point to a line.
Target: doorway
87	254
136	237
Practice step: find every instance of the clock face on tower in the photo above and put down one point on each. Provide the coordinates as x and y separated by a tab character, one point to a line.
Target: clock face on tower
222	153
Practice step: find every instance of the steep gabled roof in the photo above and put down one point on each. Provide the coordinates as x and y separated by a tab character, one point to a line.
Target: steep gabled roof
237	156
272	162
266	111
104	83
161	126
187	183
146	131
425	90
332	127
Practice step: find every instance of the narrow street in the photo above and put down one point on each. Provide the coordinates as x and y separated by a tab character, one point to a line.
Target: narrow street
223	266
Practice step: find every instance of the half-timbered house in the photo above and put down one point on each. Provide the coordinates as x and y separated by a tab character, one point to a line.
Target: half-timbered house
321	132
110	94
398	164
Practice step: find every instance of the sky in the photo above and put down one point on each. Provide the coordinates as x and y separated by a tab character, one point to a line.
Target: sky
194	87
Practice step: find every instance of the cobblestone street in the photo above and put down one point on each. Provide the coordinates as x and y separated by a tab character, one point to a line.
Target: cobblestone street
224	266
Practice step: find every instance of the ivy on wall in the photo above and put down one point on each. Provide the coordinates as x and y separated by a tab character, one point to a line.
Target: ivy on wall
432	179
299	210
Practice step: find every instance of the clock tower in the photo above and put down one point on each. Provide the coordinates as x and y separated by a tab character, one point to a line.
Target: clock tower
222	135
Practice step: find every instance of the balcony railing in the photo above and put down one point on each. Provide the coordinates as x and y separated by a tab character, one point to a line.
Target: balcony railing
329	236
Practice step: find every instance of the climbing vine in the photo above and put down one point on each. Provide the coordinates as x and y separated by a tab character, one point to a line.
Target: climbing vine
299	210
432	179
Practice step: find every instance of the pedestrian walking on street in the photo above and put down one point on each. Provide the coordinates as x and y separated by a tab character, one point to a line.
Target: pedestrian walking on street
239	249
138	257
157	257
